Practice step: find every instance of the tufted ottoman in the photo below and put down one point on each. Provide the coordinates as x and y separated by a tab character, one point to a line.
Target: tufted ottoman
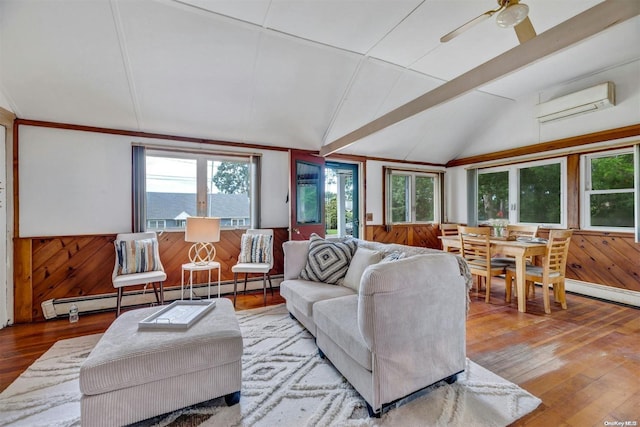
133	375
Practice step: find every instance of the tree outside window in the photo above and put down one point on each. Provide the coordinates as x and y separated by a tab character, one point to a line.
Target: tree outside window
609	195
412	197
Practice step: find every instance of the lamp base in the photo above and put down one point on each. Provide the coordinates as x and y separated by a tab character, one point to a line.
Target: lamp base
202	253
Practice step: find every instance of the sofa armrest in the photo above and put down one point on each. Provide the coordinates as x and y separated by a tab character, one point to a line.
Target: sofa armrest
295	257
412	316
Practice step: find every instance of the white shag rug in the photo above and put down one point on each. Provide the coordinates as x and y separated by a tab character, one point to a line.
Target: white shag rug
284	383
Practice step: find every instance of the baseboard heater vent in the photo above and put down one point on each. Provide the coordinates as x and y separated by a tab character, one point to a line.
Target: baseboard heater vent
59	307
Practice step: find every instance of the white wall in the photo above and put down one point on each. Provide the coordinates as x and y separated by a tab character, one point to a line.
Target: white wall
74	183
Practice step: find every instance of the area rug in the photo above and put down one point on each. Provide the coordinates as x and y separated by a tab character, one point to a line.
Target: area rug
284	383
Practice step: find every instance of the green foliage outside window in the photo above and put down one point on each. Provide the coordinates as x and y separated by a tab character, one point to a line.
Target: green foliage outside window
232	178
493	195
425	186
400	198
540	194
612	209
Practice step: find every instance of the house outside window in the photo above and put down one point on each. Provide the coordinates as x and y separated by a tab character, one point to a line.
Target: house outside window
412	197
180	185
608	191
527	193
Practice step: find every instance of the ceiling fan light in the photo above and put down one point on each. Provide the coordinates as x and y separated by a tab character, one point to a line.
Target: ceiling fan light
512	15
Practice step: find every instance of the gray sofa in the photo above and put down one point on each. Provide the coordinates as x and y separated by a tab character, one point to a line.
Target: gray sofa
399	330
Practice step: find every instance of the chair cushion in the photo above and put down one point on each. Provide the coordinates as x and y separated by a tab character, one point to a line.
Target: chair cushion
139	278
138	256
251	267
255	248
535	270
328	261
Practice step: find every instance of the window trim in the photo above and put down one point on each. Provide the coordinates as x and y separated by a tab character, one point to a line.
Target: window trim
514	186
585	191
253	160
413	173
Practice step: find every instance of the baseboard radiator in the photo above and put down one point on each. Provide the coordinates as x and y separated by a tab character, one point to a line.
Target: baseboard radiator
59	307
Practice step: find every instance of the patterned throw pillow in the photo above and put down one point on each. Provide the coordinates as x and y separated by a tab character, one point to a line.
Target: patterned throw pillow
138	256
255	248
328	261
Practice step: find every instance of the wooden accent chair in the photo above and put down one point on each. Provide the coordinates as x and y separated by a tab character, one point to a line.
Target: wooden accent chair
476	250
551	273
450	230
514	232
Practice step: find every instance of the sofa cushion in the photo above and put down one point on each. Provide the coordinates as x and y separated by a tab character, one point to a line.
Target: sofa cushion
362	259
303	293
328	261
338	319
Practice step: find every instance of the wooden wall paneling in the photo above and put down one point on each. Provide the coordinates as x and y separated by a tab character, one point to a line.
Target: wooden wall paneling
609	260
22	286
573	191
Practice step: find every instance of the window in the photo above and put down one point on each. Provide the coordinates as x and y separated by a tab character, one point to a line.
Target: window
608	196
179	185
530	193
412	197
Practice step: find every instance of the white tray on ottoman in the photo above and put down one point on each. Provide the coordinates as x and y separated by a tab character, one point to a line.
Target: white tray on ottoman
132	374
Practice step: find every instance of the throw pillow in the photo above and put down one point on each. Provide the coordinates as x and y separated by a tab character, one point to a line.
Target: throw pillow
362	259
328	261
255	248
138	256
393	256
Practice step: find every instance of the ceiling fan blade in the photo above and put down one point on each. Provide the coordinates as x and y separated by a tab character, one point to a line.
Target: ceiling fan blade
466	26
525	30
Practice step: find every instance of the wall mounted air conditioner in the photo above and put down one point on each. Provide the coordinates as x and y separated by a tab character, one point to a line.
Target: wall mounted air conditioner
592	99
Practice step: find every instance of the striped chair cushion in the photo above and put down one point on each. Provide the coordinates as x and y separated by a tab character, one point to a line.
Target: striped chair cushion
255	248
138	256
328	261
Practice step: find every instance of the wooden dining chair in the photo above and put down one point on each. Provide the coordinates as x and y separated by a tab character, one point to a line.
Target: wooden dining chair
513	232
476	250
450	230
552	271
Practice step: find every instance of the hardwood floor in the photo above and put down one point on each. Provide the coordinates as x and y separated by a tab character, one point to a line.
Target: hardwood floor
582	362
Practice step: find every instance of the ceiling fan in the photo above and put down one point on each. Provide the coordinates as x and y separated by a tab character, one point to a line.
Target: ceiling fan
511	13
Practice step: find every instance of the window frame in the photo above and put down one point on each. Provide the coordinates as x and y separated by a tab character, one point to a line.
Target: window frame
202	158
413	174
586	192
514	189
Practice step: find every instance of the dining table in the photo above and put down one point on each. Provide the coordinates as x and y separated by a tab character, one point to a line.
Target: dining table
519	249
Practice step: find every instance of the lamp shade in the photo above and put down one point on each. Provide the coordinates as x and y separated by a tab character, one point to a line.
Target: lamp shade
202	229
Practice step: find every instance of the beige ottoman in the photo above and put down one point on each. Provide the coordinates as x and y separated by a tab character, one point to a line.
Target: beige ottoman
133	375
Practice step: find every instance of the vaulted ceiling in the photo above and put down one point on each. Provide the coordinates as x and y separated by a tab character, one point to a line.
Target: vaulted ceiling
292	73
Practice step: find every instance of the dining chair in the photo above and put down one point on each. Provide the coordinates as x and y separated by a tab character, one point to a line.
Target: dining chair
450	230
552	272
137	263
256	257
476	250
514	232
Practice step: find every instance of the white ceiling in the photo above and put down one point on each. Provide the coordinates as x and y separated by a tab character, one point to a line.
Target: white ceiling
292	73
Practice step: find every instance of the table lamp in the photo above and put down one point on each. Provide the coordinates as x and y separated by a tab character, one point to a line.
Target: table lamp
202	231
